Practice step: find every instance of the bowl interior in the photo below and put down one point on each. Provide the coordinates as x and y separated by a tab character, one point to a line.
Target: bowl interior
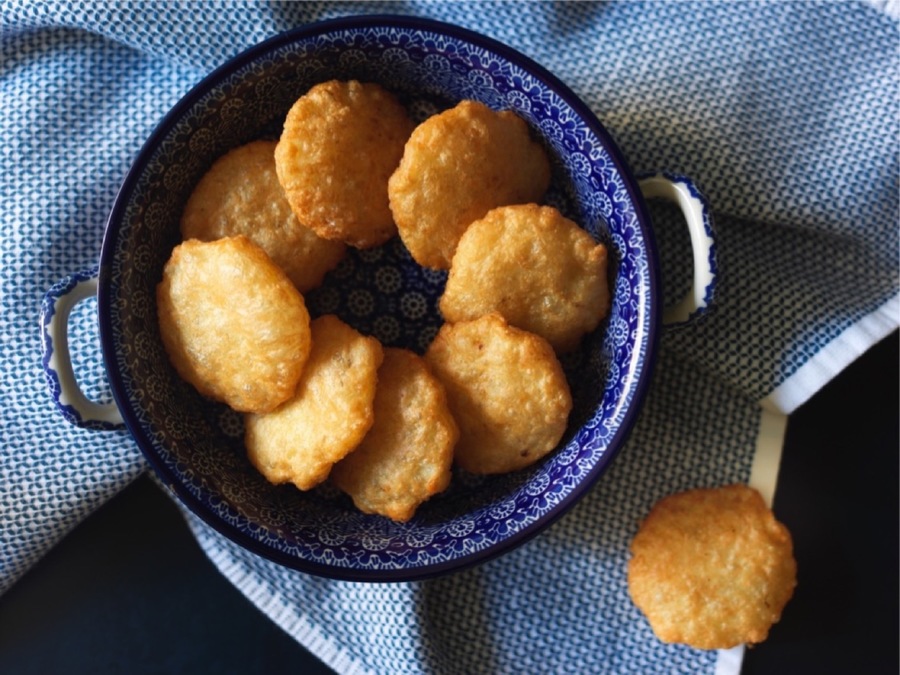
197	447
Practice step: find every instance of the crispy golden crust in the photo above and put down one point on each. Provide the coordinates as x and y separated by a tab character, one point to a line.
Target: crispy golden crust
232	323
240	194
712	568
456	167
341	142
328	416
507	392
407	454
538	269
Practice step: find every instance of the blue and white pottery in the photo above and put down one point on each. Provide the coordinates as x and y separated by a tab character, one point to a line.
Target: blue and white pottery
196	446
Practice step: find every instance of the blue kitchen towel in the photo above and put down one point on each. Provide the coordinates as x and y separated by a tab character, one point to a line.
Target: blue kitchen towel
785	113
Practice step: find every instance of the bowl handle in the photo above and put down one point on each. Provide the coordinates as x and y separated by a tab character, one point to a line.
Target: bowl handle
56	360
682	192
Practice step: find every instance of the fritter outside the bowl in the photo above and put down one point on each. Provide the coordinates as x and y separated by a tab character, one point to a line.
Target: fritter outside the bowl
330	413
538	269
712	568
457	166
406	457
240	194
232	323
507	391
341	142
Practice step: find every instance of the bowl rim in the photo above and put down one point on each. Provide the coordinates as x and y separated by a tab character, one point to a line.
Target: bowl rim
141	160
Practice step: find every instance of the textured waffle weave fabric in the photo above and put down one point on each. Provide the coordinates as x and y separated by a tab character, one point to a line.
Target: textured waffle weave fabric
784	113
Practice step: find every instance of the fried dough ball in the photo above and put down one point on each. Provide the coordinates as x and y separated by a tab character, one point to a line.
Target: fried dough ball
507	391
341	142
240	194
712	568
457	166
232	323
534	266
407	455
328	416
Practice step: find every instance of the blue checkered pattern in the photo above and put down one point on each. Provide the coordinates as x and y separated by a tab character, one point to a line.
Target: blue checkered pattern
784	113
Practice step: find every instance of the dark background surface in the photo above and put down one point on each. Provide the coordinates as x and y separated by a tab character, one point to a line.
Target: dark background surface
130	591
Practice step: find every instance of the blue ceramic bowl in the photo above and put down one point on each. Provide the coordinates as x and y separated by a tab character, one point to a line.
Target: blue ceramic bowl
196	446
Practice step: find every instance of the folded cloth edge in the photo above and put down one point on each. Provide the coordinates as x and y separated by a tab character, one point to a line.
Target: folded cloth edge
284	616
833	358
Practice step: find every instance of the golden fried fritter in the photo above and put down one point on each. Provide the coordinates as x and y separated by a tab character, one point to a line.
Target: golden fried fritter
232	323
328	416
712	568
507	391
407	454
240	194
538	269
341	142
457	166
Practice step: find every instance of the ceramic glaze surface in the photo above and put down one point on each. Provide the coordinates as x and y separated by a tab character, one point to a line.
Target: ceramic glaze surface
197	446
